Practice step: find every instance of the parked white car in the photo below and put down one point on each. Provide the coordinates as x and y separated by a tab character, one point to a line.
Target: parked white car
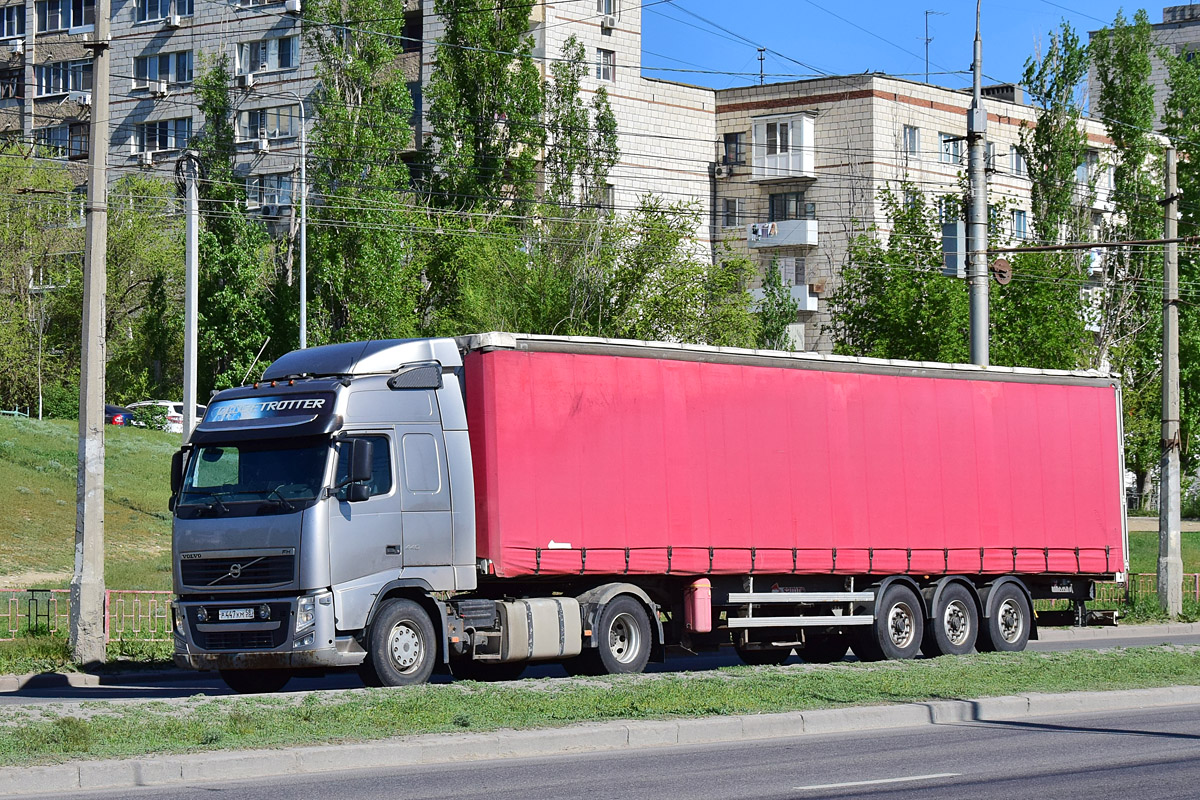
173	409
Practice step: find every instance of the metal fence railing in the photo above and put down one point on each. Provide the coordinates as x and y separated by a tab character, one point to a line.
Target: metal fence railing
143	616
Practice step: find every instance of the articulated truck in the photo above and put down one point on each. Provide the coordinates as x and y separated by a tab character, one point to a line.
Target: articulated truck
478	504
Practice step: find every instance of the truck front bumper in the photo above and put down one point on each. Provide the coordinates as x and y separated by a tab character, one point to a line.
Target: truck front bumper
263	633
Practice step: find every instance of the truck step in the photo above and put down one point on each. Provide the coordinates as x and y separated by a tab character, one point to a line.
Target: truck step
797	622
759	598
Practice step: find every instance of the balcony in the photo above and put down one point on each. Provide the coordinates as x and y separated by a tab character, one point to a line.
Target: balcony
804	295
784	233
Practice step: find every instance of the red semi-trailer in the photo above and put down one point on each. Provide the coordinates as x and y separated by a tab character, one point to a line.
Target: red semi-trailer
600	502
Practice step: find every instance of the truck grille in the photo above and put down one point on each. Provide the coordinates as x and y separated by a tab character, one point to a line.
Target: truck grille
221	573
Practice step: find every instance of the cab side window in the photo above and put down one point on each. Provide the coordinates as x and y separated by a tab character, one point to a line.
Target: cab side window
381	470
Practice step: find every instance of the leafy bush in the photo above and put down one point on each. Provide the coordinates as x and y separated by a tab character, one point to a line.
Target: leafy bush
154	416
61	401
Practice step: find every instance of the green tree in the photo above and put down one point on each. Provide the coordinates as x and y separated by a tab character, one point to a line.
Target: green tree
1131	322
366	282
776	311
485	104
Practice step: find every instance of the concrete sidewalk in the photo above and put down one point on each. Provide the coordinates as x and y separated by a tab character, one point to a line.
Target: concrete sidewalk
200	768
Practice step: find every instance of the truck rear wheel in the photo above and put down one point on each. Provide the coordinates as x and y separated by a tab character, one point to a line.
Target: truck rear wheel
401	647
898	628
255	681
623	636
1007	629
955	624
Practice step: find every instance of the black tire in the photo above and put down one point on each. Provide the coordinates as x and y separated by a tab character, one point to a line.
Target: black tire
897	630
824	648
256	681
954	626
401	648
623	636
465	669
1007	629
767	657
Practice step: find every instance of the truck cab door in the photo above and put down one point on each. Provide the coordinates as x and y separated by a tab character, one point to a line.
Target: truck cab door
366	538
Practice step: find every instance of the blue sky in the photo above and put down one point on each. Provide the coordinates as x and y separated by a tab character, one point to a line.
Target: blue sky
889	37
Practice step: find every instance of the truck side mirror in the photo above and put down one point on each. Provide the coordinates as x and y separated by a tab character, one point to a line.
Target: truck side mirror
176	477
357	492
362	453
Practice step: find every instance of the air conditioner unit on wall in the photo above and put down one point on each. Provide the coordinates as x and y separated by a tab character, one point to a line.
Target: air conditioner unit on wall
723	171
17	47
291	6
146	159
246	81
173	21
262	144
269	210
158	88
608	21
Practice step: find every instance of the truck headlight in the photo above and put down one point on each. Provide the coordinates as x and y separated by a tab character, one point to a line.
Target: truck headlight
179	618
305	613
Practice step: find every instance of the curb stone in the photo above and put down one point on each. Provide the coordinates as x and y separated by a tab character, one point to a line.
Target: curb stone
589	737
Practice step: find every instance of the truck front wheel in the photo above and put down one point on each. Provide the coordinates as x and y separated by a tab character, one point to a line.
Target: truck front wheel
1007	629
623	636
401	647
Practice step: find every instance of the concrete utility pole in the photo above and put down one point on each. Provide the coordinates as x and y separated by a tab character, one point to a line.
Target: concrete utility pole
87	583
977	220
1170	562
191	177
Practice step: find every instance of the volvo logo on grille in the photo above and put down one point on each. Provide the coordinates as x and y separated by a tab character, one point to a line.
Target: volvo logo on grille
235	571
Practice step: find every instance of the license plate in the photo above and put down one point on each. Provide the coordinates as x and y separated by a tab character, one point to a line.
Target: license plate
228	614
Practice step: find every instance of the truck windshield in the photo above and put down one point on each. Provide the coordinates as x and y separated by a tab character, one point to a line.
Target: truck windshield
253	478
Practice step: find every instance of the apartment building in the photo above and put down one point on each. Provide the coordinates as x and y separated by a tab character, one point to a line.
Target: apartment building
800	167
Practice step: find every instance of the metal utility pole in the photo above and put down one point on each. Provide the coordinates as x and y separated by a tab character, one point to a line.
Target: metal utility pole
761	50
1170	562
928	39
87	583
977	220
191	176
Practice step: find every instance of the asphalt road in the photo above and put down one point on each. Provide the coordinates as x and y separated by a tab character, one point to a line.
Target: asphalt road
211	684
1155	754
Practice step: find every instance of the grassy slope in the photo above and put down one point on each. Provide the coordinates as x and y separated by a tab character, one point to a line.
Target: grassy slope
37	491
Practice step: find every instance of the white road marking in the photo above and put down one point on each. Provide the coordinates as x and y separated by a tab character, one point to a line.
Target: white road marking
877	782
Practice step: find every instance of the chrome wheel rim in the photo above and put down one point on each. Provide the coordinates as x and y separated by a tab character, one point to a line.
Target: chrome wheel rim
900	623
1012	621
404	644
624	639
956	622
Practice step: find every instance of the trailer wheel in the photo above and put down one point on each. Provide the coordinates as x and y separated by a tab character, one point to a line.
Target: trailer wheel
824	648
764	657
898	628
466	669
255	681
955	624
623	636
401	647
1007	629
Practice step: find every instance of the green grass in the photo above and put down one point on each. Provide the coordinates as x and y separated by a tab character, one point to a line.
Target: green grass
49	734
37	491
28	654
1143	551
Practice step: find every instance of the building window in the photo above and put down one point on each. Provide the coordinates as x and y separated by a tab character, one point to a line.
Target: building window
1088	168
608	201
269	190
791	205
268	55
1016	161
62	77
950	148
608	7
57	15
947	208
50	17
164	134
12	84
1019	224
52	142
735	148
271	123
606	65
912	141
782	147
989	156
733	212
83	13
151	10
792	270
166	67
12	22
